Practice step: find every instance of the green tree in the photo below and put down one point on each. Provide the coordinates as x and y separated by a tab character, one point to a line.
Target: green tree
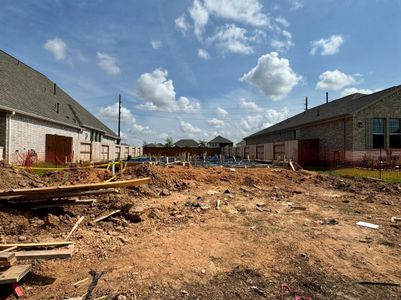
202	143
169	142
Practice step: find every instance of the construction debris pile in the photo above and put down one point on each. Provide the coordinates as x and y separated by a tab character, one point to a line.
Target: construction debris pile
164	232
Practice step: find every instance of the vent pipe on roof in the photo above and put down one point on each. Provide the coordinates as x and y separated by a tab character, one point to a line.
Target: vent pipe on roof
57	107
327	97
306	103
54	89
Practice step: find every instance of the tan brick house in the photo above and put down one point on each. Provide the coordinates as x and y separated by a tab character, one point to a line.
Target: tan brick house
349	129
37	116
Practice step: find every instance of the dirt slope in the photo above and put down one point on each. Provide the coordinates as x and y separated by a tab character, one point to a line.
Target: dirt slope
185	248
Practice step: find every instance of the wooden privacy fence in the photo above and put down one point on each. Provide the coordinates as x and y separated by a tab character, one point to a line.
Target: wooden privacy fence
176	151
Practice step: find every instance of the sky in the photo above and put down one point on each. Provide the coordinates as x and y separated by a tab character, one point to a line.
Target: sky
202	68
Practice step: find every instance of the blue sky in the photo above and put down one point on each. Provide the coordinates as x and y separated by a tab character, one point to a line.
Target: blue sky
199	68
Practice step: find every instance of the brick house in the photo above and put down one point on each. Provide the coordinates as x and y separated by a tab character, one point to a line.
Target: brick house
349	129
36	114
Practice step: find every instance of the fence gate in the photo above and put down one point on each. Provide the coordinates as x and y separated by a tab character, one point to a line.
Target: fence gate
85	152
260	152
279	151
105	153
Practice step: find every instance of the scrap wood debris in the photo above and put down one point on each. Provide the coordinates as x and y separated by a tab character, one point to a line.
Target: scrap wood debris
164	231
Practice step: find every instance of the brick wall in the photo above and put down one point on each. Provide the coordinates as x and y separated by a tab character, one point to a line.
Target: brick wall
388	107
29	133
335	136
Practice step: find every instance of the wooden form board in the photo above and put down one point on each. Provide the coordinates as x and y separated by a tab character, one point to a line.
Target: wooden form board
13	274
36	245
44	254
77	187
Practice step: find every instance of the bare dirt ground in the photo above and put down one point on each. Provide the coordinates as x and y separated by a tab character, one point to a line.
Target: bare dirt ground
171	242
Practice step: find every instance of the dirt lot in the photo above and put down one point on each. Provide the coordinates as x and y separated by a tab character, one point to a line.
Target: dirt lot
171	242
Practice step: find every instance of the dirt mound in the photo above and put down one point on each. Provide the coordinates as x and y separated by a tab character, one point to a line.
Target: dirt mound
12	178
159	179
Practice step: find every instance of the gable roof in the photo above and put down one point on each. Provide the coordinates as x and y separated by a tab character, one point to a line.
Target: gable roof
186	143
220	140
336	108
153	145
29	92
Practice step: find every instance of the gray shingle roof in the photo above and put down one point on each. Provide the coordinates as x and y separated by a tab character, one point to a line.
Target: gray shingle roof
339	107
220	140
27	91
186	143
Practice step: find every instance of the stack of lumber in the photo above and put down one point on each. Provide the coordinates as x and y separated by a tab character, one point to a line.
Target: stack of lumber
12	254
64	195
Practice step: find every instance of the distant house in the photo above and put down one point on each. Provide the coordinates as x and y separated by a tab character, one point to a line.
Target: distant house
153	145
186	143
219	142
38	117
348	129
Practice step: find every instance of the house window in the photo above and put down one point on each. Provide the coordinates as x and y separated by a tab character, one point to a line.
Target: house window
395	133
378	133
96	136
297	134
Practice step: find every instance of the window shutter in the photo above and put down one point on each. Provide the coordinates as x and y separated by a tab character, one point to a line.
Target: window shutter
368	133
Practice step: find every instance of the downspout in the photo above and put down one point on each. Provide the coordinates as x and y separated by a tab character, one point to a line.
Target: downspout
8	142
344	137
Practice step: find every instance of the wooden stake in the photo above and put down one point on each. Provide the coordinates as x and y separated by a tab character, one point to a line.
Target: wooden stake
74	228
106	216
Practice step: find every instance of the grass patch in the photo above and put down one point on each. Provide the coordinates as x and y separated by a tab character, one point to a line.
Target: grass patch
391	176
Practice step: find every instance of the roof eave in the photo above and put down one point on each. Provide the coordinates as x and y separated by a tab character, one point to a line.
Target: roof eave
38	117
255	135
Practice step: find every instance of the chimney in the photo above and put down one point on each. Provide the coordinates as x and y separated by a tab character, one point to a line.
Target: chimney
327	97
306	103
54	89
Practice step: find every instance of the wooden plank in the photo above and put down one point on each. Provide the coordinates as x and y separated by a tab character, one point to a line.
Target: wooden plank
10	262
8	249
6	256
106	216
74	228
37	245
59	194
77	187
13	274
291	165
44	254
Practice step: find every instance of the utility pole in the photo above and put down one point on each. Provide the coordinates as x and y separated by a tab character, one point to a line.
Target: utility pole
306	103
119	118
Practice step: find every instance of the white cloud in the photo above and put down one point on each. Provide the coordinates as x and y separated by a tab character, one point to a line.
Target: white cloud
200	17
328	46
249	105
247	11
283	21
216	123
227	37
128	120
182	24
189	129
222	113
273	76
296	4
108	63
156	44
202	53
267	118
159	93
57	47
334	80
349	91
230	38
284	43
